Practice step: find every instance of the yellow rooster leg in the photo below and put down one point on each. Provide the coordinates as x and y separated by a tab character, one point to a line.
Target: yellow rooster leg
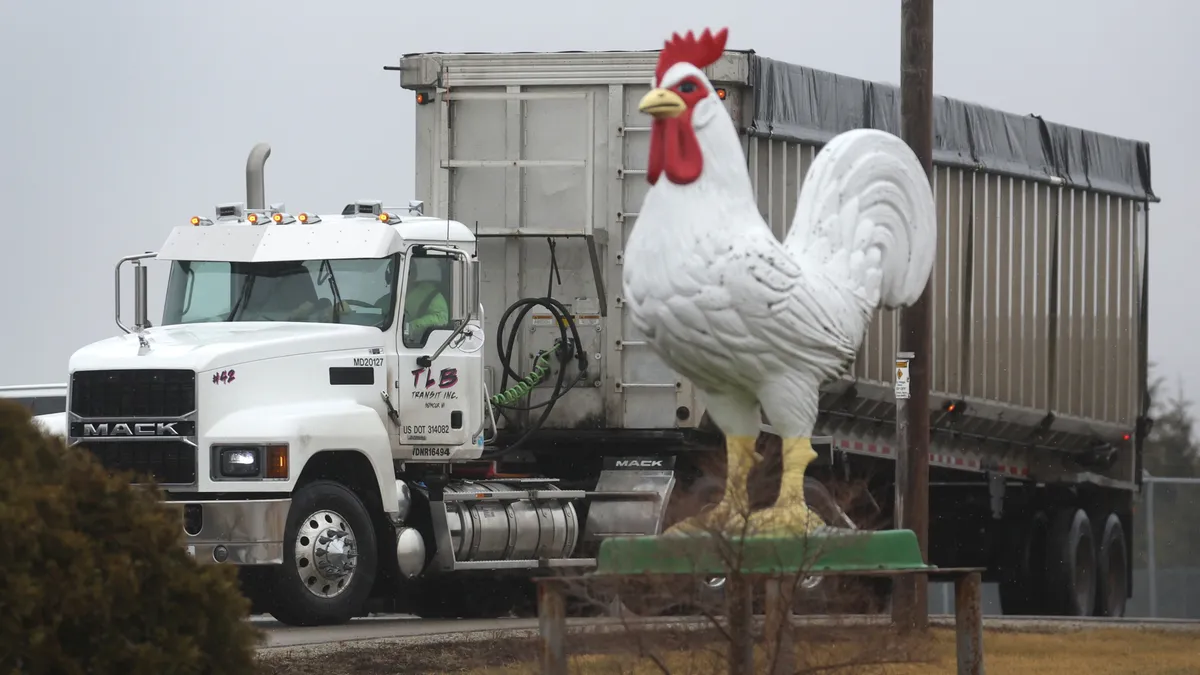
729	515
790	515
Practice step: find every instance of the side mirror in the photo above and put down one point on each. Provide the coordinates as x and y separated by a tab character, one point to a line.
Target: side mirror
141	305
470	286
141	297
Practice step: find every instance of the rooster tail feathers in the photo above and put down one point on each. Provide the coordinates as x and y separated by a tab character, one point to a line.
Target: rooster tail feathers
866	215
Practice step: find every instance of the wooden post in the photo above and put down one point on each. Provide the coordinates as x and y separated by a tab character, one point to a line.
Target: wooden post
779	639
552	627
968	623
910	601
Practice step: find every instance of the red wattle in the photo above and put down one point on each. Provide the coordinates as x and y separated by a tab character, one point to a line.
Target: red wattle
685	161
675	149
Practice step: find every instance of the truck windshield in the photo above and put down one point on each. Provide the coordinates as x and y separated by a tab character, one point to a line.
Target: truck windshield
360	292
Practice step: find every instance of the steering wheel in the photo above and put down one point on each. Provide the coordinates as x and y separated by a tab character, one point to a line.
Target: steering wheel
359	303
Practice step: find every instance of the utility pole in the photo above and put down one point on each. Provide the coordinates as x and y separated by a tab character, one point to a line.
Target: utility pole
910	597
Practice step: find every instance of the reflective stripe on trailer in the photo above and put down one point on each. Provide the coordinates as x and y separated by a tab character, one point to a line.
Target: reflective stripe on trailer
949	460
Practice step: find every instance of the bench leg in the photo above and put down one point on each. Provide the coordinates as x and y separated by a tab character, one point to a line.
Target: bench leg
779	638
968	623
552	627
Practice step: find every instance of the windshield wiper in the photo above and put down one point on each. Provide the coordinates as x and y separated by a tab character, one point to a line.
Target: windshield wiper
242	297
333	289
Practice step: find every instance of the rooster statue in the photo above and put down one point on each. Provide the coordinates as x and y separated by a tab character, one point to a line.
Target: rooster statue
750	320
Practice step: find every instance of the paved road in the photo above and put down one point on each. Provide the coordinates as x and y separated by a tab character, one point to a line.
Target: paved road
375	627
403	626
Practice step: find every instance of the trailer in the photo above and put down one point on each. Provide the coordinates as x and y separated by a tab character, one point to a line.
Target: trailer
1039	367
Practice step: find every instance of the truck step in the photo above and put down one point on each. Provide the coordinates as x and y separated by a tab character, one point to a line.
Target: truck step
543	563
548	495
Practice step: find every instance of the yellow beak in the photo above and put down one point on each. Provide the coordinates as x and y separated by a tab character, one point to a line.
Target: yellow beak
662	103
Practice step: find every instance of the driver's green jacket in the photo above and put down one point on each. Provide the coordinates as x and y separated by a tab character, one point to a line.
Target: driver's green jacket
426	307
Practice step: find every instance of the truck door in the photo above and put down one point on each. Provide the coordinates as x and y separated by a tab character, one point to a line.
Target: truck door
441	400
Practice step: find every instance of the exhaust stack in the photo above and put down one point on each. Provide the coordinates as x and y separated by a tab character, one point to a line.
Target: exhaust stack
256	186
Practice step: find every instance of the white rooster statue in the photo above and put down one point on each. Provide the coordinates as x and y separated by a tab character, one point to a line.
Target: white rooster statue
749	320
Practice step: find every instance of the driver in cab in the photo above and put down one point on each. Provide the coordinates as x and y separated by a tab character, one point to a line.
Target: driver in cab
424	306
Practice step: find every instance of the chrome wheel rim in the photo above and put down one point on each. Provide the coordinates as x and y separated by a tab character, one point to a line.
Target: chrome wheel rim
326	554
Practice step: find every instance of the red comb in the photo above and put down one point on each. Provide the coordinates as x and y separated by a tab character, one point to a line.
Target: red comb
700	53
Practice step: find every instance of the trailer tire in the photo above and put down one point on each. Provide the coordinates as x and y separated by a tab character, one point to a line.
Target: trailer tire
1112	588
327	521
1071	564
1022	574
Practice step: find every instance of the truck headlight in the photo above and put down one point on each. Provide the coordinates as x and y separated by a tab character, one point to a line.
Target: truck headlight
249	462
240	462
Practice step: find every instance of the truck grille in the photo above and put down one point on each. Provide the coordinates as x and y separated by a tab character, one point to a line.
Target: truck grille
122	402
168	462
133	393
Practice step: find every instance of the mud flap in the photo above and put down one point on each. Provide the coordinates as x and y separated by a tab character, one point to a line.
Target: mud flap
613	511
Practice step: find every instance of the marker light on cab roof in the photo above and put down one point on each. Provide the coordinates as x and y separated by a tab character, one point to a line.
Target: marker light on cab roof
308	218
197	221
252	218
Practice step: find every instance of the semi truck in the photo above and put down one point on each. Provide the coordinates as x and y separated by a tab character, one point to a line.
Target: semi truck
315	426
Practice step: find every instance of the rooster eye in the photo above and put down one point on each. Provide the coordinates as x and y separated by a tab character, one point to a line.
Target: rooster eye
687	87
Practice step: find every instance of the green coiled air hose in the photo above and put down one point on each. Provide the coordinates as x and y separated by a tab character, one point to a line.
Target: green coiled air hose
541	366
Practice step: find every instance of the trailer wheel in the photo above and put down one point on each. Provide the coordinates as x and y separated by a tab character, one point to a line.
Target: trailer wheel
1112	581
1022	576
1071	564
330	558
833	595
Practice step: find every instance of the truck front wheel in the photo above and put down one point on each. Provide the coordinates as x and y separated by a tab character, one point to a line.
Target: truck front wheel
329	558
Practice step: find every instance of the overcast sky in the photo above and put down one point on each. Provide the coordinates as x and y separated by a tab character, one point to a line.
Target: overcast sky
123	119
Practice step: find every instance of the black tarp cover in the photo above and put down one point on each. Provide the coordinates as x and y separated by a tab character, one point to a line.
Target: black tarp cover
796	103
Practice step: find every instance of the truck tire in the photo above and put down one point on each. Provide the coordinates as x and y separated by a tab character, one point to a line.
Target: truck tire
1022	566
1112	588
1071	564
330	558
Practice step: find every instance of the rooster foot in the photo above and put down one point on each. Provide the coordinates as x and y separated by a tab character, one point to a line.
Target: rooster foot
785	520
729	515
790	516
721	519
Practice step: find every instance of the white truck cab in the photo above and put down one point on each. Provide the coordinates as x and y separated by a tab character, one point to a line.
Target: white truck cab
313	383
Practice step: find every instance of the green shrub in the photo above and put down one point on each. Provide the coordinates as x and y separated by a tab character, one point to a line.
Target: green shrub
93	574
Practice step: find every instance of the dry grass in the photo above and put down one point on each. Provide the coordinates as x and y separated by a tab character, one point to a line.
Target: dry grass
1092	652
435	658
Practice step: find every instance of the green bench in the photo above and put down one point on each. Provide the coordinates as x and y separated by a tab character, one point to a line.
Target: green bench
774	563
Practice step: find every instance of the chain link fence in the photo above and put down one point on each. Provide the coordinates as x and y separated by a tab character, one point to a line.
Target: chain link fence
1166	549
